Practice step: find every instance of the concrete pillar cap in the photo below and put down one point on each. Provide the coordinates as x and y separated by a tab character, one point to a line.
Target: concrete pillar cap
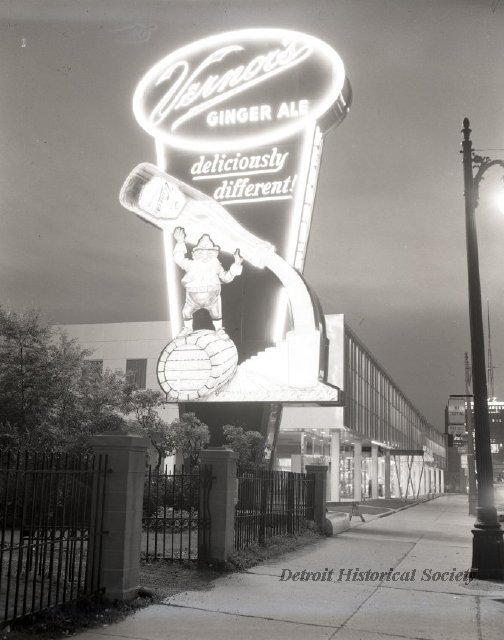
218	453
119	440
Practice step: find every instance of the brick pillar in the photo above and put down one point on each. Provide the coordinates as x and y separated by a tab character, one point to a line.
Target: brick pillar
122	512
319	506
222	501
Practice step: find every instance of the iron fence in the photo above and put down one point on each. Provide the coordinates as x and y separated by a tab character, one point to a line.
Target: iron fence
51	527
272	503
176	518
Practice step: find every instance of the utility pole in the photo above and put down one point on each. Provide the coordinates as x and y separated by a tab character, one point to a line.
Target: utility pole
471	471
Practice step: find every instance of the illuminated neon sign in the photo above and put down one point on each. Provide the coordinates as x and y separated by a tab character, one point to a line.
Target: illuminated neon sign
209	95
239	119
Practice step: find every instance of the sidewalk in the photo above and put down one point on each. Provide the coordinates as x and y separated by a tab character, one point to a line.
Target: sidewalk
412	547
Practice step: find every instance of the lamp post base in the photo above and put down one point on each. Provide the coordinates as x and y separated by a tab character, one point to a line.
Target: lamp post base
488	547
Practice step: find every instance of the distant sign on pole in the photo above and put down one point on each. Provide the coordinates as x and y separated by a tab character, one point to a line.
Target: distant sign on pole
456	429
460	440
456	410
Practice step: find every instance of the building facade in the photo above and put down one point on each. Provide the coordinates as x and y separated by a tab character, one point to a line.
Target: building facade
376	445
457	445
496	412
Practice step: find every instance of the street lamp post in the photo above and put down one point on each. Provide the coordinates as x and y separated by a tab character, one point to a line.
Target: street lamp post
471	471
488	544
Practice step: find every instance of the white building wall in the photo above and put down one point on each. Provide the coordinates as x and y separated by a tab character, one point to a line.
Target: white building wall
116	342
311	417
325	418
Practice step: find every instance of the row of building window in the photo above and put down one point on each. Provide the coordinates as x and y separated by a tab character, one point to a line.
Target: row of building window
136	371
376	408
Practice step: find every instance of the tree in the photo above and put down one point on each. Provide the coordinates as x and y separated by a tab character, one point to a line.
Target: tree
53	399
187	435
50	399
143	404
248	444
25	370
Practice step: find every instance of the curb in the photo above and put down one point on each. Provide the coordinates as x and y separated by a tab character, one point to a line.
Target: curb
408	506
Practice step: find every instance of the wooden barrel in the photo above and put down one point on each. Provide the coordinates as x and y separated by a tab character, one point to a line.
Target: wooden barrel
195	365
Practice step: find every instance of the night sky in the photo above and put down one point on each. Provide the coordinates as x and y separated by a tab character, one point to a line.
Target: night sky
388	238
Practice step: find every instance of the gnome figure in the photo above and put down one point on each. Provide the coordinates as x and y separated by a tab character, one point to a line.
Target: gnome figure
203	277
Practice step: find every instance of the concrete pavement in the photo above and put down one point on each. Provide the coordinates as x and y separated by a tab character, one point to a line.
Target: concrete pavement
402	576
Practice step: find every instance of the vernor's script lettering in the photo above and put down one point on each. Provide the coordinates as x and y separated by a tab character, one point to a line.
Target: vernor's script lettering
192	90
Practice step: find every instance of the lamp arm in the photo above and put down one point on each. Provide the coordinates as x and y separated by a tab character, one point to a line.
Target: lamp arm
483	165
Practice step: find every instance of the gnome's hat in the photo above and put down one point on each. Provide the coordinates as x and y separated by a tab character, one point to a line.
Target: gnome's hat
205	242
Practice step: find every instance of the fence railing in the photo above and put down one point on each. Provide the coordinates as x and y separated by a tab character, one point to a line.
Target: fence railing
176	518
51	515
272	503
